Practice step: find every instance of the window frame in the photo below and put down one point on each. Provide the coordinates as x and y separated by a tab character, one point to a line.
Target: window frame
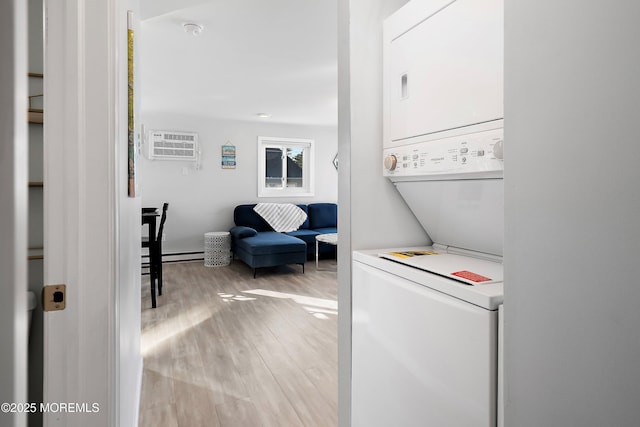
307	145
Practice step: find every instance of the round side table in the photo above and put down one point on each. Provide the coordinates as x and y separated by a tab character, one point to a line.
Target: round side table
331	238
217	249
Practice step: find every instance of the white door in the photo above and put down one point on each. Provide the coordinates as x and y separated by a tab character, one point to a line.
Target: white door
13	212
80	361
92	228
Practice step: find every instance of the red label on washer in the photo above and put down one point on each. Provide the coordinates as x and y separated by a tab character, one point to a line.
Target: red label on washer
474	277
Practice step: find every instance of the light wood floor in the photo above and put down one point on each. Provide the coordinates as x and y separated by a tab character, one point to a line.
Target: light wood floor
224	349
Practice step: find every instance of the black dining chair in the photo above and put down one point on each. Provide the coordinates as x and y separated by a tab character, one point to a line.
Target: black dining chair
155	257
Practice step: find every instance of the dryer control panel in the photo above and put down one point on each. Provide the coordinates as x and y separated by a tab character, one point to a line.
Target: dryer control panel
471	156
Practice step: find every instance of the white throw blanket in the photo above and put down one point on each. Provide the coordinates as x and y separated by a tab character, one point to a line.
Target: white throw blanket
282	217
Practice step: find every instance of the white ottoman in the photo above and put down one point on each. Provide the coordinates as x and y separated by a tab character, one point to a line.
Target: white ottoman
217	249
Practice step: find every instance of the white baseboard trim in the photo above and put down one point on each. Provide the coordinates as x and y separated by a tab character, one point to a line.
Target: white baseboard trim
183	256
178	256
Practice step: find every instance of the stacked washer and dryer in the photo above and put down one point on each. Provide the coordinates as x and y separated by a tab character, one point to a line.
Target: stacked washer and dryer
425	326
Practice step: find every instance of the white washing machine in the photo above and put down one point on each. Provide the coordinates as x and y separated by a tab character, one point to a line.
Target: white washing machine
425	320
424	346
425	326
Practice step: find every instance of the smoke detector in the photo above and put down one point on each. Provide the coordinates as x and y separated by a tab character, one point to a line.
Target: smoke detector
193	29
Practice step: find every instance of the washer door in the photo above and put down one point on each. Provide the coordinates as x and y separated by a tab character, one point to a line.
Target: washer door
419	357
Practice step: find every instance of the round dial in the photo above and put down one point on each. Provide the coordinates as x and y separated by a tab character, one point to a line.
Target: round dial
390	162
498	150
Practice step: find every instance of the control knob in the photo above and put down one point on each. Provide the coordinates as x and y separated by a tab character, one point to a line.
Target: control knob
390	162
498	150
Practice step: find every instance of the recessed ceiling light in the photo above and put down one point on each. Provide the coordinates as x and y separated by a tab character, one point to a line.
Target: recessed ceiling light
193	29
263	115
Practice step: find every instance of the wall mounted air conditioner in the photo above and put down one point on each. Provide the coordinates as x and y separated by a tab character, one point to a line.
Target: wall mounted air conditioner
172	145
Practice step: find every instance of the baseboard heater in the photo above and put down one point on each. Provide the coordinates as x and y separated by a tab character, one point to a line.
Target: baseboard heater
174	257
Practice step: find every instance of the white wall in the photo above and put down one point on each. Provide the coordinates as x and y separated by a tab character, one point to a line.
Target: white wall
393	223
372	215
203	200
572	237
344	216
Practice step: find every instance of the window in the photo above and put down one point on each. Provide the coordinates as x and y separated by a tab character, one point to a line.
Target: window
285	167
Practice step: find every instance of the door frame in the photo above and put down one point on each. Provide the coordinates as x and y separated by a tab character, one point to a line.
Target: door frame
13	210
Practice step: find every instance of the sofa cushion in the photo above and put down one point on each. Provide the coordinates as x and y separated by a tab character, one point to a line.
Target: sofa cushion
309	236
239	232
322	215
244	215
271	242
305	224
327	230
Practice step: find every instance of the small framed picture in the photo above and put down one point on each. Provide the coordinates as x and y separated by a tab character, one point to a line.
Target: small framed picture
228	156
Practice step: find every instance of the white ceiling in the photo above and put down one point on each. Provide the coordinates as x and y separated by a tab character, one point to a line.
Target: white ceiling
253	56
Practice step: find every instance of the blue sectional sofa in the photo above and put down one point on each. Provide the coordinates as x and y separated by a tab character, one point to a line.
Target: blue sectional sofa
255	242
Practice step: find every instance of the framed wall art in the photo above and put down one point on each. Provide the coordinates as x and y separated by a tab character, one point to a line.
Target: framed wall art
228	156
132	151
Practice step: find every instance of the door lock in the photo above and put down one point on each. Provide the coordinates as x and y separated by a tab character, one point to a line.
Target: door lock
54	297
